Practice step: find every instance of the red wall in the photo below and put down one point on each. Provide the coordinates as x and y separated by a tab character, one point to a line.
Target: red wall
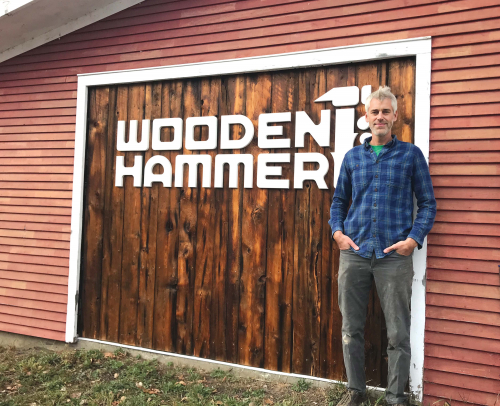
37	125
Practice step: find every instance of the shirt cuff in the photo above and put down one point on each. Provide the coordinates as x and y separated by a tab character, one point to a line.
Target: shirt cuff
419	241
337	228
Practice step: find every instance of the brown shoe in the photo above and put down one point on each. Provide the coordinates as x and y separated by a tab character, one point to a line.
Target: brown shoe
352	398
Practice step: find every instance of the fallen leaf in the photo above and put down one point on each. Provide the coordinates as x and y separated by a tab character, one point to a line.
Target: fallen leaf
138	384
123	398
83	402
116	375
268	402
153	391
181	383
75	395
68	400
183	399
219	403
63	389
109	355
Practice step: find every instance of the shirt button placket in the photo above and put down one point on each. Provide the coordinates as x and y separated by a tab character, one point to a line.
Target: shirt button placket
374	209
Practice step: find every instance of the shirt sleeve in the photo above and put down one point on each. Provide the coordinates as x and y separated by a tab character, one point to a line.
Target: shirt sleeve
426	203
341	197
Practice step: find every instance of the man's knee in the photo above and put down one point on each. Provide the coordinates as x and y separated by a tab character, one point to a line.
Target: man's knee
399	339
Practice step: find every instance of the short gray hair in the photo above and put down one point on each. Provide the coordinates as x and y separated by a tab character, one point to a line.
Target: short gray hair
383	92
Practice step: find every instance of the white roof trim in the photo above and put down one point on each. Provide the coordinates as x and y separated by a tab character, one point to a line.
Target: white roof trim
8	6
72	25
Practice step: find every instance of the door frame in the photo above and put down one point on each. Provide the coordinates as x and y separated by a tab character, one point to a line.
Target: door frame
418	47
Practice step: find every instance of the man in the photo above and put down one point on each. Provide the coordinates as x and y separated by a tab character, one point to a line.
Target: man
376	238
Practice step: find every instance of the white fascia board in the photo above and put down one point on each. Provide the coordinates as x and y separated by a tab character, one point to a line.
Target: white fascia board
9	6
418	47
83	21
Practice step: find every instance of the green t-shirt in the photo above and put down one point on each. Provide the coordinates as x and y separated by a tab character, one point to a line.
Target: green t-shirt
377	148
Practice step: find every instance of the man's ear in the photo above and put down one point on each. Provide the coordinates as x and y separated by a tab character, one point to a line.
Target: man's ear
396	115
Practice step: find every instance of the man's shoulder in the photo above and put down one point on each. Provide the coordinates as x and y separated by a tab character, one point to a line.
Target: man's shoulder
355	151
409	148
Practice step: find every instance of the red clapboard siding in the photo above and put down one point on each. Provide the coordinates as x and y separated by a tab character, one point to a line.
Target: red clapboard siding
460	302
461	341
34	277
462	133
464	368
462	264
462	329
460	354
465	381
37	107
458	240
33	304
25	329
469	316
33	313
466	277
463	289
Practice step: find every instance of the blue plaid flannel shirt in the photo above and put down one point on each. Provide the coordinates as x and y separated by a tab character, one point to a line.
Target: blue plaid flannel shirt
382	190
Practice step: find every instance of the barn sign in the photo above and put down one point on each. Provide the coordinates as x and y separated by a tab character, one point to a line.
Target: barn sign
205	210
268	130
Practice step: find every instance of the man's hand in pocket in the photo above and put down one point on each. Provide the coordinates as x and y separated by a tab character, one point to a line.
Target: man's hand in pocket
405	247
343	241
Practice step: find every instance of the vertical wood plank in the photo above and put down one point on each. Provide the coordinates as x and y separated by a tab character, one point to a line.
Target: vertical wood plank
187	234
107	281
204	262
401	79
253	237
234	95
317	87
220	247
167	238
277	345
287	236
307	282
131	230
112	258
149	211
332	365
94	214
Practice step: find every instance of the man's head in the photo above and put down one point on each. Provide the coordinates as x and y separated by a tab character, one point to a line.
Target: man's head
381	111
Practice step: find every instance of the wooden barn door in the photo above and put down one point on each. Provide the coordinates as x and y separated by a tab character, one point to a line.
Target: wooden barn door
247	276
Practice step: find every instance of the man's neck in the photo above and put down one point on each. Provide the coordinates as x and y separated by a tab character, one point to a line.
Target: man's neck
377	140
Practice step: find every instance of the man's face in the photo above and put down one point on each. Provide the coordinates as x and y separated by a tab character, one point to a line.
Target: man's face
381	117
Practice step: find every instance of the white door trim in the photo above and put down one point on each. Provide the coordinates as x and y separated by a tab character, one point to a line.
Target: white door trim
419	47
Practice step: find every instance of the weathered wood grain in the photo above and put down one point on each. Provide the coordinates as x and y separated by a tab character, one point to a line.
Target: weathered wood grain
187	233
241	275
205	237
253	238
131	231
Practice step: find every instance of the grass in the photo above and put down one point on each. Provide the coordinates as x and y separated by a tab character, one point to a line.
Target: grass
41	377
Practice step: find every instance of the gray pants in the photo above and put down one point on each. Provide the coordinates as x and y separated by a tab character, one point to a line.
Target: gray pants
393	278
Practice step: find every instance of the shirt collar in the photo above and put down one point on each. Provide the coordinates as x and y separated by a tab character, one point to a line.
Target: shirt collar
390	144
